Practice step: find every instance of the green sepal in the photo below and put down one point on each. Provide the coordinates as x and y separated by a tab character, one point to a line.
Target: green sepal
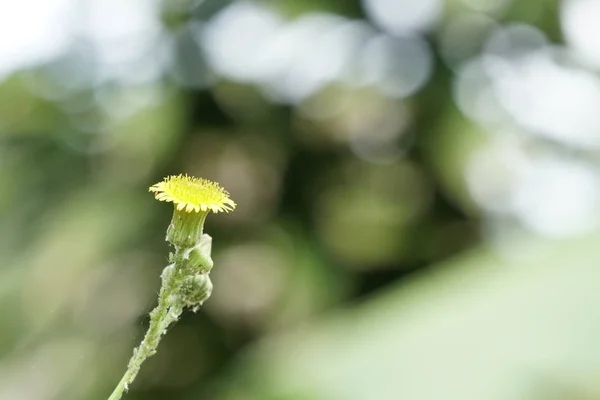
185	229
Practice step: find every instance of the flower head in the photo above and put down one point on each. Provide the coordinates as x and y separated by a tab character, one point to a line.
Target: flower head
193	194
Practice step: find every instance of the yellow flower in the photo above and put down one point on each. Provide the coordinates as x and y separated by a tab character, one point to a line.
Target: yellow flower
193	194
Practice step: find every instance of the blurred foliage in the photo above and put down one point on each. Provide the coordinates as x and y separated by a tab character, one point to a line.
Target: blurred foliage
360	263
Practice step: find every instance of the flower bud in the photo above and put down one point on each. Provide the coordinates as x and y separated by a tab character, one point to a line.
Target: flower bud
199	261
196	289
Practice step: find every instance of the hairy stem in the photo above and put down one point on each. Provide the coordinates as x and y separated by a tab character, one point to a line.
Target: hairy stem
167	311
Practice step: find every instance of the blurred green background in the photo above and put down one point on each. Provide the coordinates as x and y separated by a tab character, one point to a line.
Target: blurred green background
418	189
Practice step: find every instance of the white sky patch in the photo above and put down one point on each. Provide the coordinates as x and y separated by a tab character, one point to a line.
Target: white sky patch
474	94
235	38
120	35
558	198
33	32
123	34
581	28
550	99
404	17
291	61
514	40
398	66
547	194
306	55
520	79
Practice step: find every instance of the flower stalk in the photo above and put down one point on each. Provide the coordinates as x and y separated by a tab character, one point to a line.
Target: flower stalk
185	281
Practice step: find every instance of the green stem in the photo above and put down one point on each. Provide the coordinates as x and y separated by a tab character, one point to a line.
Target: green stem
167	311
